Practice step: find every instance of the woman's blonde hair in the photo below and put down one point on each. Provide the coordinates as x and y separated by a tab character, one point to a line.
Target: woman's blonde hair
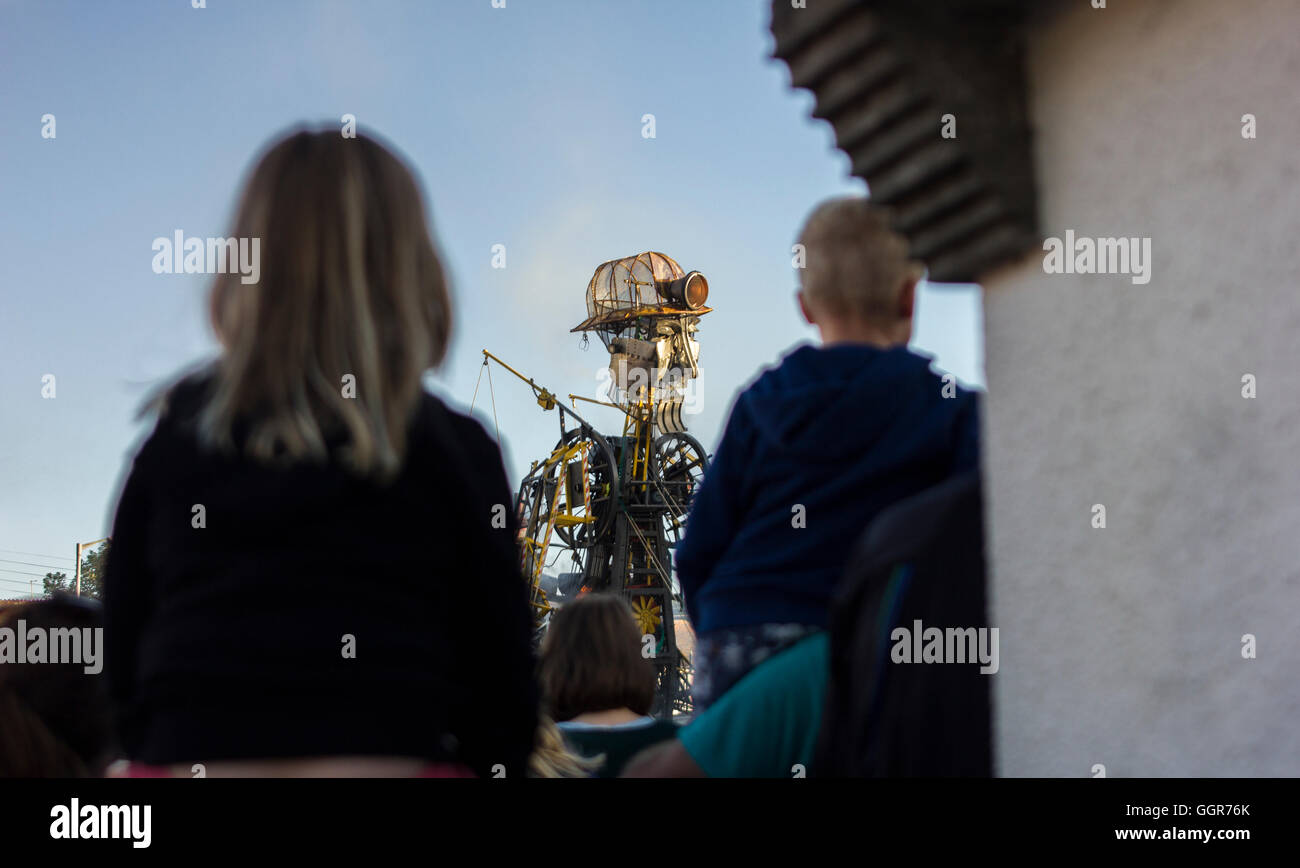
352	307
552	758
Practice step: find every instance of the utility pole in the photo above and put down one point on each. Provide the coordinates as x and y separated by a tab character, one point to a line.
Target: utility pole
81	546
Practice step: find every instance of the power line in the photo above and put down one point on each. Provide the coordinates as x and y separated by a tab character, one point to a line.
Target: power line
35	555
30	564
6	579
22	573
21	581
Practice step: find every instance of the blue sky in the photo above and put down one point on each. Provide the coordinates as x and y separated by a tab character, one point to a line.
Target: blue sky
524	125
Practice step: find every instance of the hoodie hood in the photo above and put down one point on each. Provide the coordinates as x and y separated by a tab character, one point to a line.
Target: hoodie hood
824	403
813	450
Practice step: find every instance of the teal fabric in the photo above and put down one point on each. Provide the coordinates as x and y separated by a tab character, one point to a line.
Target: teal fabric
618	744
766	724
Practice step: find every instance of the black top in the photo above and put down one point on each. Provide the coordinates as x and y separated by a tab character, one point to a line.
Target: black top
227	641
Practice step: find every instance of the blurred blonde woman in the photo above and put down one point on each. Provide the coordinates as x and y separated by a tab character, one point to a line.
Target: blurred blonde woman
304	578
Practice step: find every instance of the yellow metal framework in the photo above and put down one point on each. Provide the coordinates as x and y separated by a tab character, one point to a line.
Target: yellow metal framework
561	513
565	509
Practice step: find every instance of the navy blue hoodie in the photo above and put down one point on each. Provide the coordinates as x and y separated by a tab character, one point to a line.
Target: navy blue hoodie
813	450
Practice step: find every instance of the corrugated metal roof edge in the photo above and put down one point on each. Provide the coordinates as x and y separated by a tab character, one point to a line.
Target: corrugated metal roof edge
958	230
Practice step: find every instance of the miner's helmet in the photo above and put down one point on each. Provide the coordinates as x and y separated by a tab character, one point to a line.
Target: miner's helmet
648	284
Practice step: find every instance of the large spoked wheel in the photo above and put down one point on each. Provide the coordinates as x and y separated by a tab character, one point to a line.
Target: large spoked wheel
602	486
534	505
679	465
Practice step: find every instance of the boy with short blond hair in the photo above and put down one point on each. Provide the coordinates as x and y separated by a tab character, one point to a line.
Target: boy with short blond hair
815	448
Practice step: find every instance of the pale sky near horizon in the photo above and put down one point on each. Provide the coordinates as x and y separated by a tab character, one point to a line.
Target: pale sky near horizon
524	125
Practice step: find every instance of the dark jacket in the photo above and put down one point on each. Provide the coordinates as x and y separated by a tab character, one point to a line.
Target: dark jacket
226	642
921	560
813	450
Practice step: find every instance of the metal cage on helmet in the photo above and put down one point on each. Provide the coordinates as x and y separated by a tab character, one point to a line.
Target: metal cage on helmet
649	284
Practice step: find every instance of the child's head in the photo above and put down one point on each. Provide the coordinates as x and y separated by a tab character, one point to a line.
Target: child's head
351	308
55	717
591	659
858	282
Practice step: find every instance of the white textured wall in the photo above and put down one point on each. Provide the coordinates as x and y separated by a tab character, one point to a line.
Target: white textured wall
1122	646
